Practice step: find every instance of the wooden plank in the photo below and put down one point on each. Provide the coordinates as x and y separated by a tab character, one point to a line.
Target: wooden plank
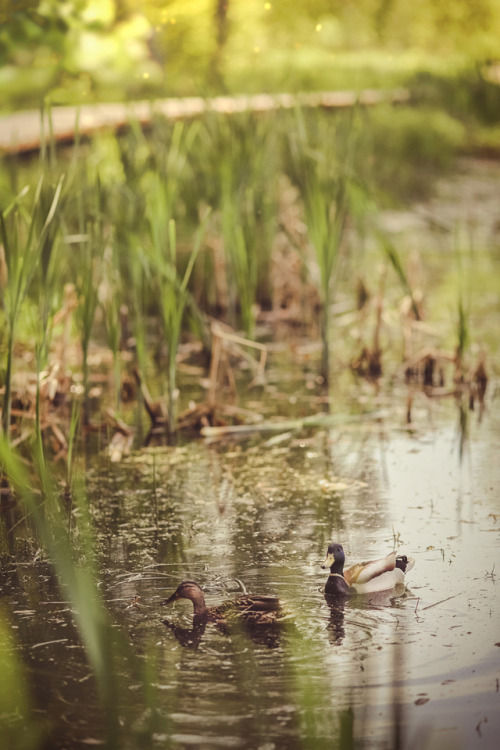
21	132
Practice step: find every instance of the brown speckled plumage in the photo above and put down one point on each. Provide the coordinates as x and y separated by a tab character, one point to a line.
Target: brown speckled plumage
251	609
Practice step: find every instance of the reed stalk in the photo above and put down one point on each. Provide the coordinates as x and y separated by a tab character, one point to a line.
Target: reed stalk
463	268
110	298
173	299
72	444
140	281
393	256
239	234
27	243
463	332
234	170
88	276
323	183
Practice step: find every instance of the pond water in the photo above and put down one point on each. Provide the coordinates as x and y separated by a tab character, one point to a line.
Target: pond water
418	668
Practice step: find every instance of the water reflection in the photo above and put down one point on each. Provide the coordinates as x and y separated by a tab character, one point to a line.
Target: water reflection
188	637
336	629
367	603
262	635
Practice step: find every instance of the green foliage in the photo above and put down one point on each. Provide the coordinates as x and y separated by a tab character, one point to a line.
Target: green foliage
465	93
185	41
171	285
65	51
18	728
393	256
410	146
28	238
320	164
235	170
464	258
174	296
110	296
267	47
123	226
88	275
81	50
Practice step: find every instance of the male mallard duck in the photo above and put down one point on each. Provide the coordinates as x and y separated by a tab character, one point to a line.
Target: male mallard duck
364	578
253	610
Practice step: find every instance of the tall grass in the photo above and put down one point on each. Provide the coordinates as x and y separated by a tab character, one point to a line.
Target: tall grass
235	170
136	278
27	235
323	178
49	289
463	334
110	299
88	277
239	231
463	260
173	298
127	280
161	189
393	256
130	211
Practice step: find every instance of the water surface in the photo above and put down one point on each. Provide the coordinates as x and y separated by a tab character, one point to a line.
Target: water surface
413	668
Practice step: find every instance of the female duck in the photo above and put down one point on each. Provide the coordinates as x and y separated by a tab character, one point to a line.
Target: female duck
253	610
364	578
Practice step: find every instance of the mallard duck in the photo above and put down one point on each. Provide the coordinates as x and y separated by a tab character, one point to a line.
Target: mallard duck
251	609
367	577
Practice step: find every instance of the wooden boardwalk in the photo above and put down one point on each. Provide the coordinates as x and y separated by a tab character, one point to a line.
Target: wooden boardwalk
22	132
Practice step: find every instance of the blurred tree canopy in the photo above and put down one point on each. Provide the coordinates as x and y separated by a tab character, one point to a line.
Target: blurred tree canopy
68	50
74	50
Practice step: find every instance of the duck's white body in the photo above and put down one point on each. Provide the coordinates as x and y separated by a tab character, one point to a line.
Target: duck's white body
377	575
369	577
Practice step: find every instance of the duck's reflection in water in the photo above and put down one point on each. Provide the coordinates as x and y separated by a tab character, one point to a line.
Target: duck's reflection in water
335	627
189	637
264	635
337	605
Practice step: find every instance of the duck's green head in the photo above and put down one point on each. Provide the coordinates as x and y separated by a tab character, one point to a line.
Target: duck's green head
334	556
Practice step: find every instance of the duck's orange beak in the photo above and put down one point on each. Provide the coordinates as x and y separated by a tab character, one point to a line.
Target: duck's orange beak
330	559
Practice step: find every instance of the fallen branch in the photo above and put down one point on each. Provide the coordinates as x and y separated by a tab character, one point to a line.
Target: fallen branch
285	425
441	601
